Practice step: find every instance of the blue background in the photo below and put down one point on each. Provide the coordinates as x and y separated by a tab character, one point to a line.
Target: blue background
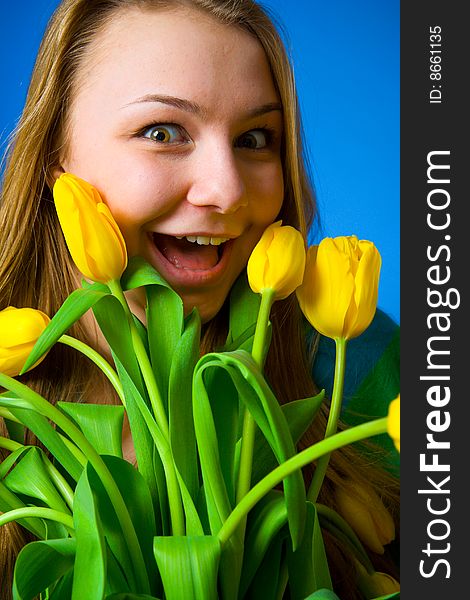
346	59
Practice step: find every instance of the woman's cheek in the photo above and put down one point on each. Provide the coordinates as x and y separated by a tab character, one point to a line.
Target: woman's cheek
270	192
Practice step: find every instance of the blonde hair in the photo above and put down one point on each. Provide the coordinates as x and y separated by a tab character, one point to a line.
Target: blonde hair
35	266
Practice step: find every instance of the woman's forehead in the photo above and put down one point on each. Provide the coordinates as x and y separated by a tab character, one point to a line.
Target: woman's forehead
181	53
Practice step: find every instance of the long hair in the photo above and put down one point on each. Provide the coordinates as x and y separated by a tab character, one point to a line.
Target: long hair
36	269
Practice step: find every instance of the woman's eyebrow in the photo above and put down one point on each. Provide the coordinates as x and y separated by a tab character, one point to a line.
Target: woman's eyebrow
194	107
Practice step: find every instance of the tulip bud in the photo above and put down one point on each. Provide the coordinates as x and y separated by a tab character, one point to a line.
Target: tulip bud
393	421
277	261
339	292
20	328
92	235
365	512
377	584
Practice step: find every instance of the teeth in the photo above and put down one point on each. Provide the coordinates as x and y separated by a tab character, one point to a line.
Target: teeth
203	240
216	241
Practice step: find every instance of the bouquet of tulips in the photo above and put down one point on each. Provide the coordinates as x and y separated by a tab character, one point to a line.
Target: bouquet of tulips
198	518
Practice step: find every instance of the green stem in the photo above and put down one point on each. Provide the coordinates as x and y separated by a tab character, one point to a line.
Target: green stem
333	417
72	448
99	361
298	461
249	425
10	445
259	340
36	402
38	512
144	362
60	482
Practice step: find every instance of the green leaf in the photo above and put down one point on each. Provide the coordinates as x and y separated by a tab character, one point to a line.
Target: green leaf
100	423
130	596
74	307
255	393
138	500
15	430
10	460
40	564
30	478
165	322
168	476
43	430
244	308
63	588
140	273
180	410
299	415
188	566
217	499
148	460
267	579
308	566
225	408
115	327
89	577
115	579
323	594
9	501
265	522
267	413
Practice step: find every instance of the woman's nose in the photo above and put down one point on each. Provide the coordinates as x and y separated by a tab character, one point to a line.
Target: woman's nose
217	180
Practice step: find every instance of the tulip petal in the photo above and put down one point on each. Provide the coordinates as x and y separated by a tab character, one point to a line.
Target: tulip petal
339	292
69	219
113	227
277	261
286	260
92	235
366	292
377	584
365	512
257	265
20	327
328	275
393	422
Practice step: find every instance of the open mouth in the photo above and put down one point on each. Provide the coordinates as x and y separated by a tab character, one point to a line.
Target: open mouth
193	253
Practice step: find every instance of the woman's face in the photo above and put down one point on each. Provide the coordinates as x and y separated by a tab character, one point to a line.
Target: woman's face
176	121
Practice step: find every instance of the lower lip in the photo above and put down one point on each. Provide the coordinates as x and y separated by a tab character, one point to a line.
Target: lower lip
177	276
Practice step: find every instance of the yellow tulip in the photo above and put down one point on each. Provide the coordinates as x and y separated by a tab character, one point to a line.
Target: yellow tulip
393	422
20	328
366	514
277	261
92	235
339	292
377	584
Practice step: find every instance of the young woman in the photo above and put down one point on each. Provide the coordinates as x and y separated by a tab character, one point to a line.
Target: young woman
183	114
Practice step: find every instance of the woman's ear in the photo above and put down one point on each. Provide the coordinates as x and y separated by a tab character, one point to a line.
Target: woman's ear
54	174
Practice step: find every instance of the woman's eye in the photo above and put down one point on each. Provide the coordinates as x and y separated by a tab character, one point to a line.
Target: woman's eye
256	139
164	134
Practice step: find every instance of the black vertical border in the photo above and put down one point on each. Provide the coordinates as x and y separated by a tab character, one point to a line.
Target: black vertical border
429	127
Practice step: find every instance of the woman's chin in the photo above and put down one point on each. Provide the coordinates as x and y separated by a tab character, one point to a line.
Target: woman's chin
206	307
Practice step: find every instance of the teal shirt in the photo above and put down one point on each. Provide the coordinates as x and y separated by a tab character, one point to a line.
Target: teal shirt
372	378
